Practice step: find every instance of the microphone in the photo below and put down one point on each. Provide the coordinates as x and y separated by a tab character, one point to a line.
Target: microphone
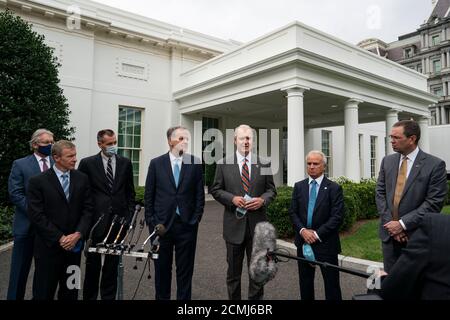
103	243
160	230
262	267
89	240
131	227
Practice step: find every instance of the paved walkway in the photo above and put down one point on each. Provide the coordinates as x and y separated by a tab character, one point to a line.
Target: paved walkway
210	270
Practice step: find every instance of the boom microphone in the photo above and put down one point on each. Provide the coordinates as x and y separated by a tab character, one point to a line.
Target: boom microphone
262	268
160	230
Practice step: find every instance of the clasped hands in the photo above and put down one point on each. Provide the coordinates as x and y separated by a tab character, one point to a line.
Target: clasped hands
253	204
68	242
395	230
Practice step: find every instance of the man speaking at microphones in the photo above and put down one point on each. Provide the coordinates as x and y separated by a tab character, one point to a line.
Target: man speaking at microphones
316	211
175	198
245	191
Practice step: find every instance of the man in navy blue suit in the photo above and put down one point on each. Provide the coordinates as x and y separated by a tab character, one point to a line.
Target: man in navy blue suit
22	170
317	210
174	197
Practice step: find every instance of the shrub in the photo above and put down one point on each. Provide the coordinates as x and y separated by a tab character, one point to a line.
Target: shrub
278	212
139	195
210	171
6	219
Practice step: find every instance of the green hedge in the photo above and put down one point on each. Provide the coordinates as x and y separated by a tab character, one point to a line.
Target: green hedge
359	201
448	195
139	194
6	219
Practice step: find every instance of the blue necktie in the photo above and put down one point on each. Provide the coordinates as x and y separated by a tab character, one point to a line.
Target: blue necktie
176	176
311	203
65	184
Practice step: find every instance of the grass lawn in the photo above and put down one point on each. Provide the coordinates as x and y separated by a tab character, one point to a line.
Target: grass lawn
364	242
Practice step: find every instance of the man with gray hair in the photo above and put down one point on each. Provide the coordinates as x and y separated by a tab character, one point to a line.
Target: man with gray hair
60	210
22	170
317	211
245	192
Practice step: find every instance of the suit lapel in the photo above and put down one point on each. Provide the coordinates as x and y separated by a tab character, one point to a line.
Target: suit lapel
254	174
168	167
184	167
101	170
305	192
416	166
392	175
34	163
118	173
72	185
236	174
322	190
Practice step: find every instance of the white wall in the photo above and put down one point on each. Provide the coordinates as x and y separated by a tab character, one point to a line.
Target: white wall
439	143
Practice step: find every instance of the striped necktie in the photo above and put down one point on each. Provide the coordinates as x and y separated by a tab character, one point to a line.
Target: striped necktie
245	177
65	184
109	174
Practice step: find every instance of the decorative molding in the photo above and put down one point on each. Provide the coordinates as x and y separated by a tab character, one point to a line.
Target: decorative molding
132	69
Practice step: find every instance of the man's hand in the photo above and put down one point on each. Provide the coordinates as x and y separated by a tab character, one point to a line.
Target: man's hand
239	201
254	204
69	242
401	237
394	228
309	236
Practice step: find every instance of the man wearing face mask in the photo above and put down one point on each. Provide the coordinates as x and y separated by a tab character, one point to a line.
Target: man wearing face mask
22	170
112	188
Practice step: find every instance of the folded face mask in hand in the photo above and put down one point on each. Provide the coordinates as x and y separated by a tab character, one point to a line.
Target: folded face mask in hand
308	252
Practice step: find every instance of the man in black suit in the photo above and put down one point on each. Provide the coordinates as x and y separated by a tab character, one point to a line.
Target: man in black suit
112	189
316	211
175	197
242	176
423	269
60	209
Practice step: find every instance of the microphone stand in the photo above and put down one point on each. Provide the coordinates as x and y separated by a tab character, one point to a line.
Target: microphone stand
89	241
272	255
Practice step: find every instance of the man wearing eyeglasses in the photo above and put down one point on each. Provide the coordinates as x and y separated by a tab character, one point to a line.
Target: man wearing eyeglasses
410	184
22	170
244	185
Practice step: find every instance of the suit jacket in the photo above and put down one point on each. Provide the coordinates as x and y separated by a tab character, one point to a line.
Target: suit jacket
227	184
423	269
328	215
120	201
162	196
425	190
22	170
50	212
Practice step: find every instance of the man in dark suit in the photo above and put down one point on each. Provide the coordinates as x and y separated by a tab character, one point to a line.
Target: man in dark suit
423	269
240	177
22	170
410	184
112	190
317	211
60	209
175	198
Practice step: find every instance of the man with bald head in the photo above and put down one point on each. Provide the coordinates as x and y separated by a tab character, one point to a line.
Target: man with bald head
317	211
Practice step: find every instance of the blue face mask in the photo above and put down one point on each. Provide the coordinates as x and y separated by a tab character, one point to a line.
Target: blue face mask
308	252
45	150
111	150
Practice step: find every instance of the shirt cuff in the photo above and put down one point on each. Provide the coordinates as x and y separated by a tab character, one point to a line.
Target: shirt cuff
301	230
402	224
317	236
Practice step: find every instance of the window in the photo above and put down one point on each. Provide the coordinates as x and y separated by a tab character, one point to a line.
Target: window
435	40
326	149
361	158
437	65
419	68
129	143
373	156
408	52
438	91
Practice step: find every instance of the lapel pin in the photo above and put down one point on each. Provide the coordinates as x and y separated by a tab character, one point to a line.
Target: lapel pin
325	188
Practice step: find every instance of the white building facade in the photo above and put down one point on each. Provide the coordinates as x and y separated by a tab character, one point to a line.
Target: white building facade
139	76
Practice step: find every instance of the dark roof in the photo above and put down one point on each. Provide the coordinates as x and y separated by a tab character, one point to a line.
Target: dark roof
439	10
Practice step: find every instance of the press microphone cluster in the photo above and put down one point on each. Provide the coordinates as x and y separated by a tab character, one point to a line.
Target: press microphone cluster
159	231
263	263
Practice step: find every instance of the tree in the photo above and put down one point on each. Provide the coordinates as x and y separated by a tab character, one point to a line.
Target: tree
30	97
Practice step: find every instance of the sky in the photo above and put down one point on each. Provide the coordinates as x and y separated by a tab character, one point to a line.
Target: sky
245	20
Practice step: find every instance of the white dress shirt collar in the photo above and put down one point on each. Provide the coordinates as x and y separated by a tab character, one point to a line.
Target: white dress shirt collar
318	180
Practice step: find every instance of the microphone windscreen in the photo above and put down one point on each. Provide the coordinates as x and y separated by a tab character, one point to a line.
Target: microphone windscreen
138	207
262	269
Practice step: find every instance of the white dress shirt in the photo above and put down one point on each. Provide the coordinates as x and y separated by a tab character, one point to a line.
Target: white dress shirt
240	160
174	161
105	163
59	174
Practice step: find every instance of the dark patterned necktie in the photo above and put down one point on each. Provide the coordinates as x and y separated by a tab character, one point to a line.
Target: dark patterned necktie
245	176
109	175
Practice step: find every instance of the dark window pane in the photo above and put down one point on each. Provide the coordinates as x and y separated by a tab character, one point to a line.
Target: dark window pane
137	142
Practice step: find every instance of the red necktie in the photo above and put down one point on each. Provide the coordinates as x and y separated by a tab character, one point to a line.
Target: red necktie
44	164
245	177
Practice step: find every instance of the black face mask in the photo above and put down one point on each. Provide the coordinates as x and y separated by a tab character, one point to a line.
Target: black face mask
45	150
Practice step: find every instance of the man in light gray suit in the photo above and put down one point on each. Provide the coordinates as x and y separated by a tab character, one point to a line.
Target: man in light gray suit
242	176
410	184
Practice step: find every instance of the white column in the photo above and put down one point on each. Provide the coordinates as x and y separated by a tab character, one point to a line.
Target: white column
448	59
424	142
427	63
351	140
422	41
443	38
391	119
423	65
443	61
295	135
